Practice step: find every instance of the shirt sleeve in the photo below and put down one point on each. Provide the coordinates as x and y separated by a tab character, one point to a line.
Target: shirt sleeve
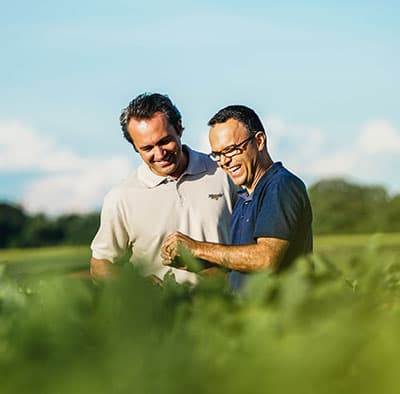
111	240
280	209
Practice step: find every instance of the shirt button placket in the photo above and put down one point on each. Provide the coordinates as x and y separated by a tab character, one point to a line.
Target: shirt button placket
247	213
179	194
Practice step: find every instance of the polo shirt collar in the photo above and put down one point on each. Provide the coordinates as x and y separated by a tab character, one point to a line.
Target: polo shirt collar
151	180
269	174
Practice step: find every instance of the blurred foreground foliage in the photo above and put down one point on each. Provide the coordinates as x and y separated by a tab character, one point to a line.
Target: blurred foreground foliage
333	328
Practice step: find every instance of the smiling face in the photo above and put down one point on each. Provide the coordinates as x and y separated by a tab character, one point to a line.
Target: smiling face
158	144
245	168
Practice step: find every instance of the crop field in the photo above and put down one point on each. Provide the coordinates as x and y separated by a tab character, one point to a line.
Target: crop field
331	324
49	259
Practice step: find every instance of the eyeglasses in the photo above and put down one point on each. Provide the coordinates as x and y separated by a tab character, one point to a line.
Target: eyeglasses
231	150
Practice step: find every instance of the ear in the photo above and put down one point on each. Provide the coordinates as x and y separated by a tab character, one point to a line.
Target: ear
261	140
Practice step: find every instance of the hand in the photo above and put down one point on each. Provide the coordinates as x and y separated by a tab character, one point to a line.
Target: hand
173	245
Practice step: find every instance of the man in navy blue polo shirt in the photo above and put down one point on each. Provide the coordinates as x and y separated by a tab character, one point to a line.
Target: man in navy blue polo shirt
271	221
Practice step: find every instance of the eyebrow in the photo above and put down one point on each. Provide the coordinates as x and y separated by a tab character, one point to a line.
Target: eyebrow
226	148
230	147
161	142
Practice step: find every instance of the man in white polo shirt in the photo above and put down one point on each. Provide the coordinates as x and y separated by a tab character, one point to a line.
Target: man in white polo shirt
174	189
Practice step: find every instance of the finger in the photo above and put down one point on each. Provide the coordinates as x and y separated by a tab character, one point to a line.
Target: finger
166	261
166	247
170	237
172	253
165	250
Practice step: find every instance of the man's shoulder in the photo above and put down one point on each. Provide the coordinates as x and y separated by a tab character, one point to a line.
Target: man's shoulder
281	182
284	177
290	189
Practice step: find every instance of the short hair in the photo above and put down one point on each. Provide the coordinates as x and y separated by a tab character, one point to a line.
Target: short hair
145	106
242	114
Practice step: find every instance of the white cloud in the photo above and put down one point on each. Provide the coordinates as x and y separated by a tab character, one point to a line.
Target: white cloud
302	139
21	148
368	155
80	191
69	182
204	144
379	136
24	149
336	163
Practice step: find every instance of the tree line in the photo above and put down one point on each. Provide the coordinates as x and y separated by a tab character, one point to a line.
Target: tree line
342	207
21	230
339	207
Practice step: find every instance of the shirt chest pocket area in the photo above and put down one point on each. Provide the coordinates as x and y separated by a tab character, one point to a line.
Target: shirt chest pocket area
210	207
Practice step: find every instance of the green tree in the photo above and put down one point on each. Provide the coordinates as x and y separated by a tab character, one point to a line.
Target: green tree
78	229
343	207
41	231
12	222
393	214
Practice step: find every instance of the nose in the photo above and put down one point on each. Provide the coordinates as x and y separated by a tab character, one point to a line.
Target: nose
159	152
223	160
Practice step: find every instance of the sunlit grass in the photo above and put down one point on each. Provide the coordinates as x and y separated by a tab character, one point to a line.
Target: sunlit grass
47	259
356	240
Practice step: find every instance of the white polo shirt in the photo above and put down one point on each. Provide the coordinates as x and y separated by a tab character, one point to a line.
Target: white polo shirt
140	212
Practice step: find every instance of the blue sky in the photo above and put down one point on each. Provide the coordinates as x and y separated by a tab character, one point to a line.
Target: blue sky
324	79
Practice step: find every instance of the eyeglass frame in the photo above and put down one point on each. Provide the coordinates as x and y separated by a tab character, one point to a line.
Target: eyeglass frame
216	156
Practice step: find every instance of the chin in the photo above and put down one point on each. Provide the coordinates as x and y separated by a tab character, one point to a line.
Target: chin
170	170
237	180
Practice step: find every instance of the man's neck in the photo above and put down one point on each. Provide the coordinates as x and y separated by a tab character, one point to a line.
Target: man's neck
183	164
265	165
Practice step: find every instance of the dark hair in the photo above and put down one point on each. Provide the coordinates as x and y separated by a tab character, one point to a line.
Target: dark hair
242	114
145	106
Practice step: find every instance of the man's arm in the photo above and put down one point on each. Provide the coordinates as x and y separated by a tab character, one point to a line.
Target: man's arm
267	252
103	269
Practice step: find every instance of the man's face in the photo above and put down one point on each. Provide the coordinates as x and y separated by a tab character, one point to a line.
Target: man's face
158	144
242	167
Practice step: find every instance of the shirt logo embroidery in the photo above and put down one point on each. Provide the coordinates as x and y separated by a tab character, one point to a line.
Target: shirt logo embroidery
215	196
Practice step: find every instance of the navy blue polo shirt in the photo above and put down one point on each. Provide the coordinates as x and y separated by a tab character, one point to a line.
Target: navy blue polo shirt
278	207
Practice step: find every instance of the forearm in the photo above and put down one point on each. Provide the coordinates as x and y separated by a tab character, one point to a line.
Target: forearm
267	252
103	269
245	258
